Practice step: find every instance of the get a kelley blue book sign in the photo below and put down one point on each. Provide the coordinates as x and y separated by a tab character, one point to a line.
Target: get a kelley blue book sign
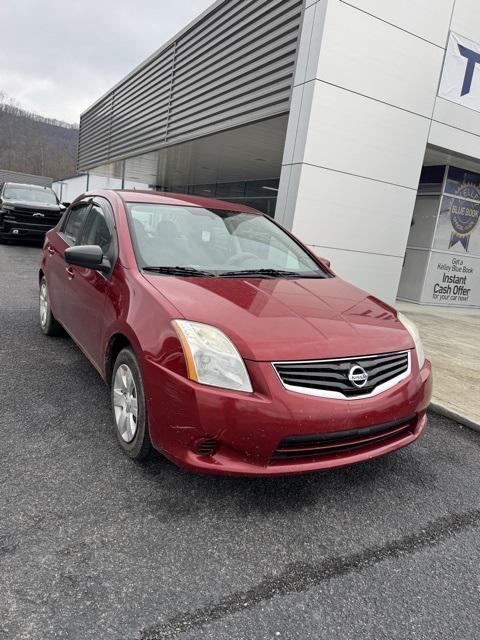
458	227
454	280
453	274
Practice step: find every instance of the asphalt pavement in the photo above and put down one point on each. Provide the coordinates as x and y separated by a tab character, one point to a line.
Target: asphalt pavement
95	546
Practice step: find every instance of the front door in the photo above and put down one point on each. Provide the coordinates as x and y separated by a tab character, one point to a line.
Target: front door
87	289
56	269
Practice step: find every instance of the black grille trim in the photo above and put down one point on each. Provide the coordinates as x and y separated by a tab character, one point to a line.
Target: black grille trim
207	447
329	378
26	216
343	442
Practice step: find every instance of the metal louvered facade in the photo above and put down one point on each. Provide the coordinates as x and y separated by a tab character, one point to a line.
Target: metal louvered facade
232	66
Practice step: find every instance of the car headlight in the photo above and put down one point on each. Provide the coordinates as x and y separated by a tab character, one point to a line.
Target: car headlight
211	357
413	331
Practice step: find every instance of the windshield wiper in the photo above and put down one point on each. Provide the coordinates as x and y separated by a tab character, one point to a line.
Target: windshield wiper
268	273
180	271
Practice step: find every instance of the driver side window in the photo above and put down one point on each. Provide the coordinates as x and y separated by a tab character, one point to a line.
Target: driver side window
99	231
74	223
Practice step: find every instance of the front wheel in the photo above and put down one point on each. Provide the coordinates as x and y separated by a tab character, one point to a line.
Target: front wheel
48	324
129	408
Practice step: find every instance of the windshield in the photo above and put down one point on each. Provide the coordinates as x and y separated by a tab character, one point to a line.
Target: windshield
196	241
30	194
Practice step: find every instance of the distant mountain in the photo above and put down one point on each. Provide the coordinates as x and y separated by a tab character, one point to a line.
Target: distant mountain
32	144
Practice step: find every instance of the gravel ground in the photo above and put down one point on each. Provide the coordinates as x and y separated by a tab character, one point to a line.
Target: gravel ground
93	545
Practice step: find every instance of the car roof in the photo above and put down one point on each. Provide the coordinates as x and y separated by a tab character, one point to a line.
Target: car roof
163	197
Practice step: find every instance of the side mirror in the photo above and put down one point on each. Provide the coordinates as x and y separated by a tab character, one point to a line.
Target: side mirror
88	256
326	263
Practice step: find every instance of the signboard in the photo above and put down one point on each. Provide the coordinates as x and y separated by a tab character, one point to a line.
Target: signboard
452	280
461	72
442	265
453	276
458	228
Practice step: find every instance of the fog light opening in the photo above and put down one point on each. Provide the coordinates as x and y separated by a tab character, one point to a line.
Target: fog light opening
206	447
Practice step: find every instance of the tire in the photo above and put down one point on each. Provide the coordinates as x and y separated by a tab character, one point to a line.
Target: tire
48	324
129	408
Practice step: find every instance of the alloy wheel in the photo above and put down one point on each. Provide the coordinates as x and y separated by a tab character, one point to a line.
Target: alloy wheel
125	403
44	304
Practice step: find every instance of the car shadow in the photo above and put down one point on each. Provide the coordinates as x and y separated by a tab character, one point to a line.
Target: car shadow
277	495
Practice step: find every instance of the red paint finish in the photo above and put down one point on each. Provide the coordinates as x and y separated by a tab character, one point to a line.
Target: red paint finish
268	320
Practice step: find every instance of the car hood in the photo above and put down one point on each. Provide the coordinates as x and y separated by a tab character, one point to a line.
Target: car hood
33	206
302	319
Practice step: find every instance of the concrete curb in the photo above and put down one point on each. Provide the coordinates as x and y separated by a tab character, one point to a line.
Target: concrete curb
453	415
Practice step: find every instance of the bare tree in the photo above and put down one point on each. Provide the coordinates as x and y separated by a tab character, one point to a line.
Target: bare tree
33	144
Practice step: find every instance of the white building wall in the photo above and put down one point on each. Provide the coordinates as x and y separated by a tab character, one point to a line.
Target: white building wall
67	190
454	127
364	107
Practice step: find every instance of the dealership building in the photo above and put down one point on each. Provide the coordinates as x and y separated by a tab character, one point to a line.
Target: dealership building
356	124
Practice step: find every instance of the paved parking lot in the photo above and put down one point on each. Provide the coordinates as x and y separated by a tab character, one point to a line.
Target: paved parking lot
93	545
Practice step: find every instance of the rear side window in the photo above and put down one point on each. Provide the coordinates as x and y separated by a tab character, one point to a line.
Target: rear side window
74	223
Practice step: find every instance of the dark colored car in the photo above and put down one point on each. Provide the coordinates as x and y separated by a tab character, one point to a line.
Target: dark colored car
27	211
228	345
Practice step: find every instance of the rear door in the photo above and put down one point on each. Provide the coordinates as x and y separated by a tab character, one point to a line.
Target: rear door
55	265
87	289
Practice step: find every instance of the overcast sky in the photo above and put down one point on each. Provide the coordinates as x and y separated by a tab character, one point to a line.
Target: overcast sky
59	56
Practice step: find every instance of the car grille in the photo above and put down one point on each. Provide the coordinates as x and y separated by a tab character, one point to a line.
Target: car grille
331	377
27	215
342	443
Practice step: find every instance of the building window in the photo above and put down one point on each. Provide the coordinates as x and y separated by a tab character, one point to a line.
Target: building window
258	194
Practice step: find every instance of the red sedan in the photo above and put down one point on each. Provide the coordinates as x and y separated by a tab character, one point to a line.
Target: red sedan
228	345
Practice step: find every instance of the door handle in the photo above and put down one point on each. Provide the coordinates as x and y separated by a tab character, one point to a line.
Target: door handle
70	272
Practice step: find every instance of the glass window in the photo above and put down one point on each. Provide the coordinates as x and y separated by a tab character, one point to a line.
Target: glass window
74	223
178	188
37	195
258	194
265	205
431	179
207	190
433	174
220	242
230	190
464	184
97	232
262	188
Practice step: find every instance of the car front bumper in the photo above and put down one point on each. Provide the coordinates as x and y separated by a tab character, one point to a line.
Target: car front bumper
254	432
12	229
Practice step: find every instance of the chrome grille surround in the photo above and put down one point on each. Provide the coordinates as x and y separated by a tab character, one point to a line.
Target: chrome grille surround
340	367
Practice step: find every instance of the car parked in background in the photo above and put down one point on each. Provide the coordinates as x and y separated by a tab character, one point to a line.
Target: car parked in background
227	344
27	211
